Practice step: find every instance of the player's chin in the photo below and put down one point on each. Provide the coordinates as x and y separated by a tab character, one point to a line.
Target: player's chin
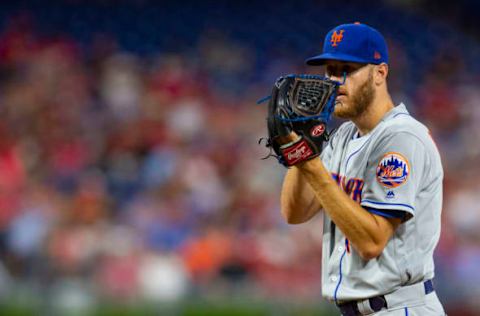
341	110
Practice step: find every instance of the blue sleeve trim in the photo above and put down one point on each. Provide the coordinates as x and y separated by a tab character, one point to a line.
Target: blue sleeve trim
388	204
387	213
406	311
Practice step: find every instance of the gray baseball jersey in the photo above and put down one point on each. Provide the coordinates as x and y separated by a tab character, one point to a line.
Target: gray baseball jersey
393	171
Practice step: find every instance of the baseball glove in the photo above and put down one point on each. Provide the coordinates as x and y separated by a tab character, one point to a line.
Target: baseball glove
304	104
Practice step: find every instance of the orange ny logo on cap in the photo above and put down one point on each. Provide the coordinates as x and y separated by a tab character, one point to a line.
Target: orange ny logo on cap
336	37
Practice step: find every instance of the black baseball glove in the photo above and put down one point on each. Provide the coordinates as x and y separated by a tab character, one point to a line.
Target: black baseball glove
304	104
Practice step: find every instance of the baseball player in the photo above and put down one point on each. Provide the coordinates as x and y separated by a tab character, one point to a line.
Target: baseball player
379	184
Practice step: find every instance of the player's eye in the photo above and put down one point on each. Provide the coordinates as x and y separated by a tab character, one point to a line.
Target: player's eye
339	71
347	70
333	71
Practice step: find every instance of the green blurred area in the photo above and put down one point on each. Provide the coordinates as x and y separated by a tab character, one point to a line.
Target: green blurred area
185	308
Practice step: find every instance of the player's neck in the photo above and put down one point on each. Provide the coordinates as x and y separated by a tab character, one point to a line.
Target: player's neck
367	121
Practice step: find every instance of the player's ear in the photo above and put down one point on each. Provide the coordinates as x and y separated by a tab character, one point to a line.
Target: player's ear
380	73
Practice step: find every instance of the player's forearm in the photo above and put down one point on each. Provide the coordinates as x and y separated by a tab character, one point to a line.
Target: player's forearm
298	200
357	224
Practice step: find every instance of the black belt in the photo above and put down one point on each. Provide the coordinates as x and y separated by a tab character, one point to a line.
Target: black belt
376	303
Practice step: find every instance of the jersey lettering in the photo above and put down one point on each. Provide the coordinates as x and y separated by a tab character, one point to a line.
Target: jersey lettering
353	187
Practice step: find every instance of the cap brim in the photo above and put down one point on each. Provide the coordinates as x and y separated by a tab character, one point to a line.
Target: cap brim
321	59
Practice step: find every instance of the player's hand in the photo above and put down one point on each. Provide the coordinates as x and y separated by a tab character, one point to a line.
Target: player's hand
292	137
299	108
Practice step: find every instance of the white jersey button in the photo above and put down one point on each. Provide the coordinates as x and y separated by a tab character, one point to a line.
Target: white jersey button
334	279
340	248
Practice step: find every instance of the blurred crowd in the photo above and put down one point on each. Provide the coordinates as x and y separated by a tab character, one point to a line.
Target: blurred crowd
127	177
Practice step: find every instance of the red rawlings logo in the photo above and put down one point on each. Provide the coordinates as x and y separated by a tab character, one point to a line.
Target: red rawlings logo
297	152
317	130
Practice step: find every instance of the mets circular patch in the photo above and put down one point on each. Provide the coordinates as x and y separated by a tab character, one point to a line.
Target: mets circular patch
392	170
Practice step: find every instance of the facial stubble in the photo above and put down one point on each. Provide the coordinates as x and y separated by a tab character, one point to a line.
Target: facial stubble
361	100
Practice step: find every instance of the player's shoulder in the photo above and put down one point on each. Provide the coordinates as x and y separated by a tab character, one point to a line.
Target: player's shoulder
400	123
400	132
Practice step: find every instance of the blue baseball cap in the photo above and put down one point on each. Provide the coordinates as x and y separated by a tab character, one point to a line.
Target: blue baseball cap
353	42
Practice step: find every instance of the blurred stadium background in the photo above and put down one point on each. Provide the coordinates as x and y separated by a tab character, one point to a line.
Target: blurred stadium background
130	175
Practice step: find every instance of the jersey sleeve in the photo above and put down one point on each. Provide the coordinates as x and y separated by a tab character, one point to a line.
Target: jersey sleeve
393	174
